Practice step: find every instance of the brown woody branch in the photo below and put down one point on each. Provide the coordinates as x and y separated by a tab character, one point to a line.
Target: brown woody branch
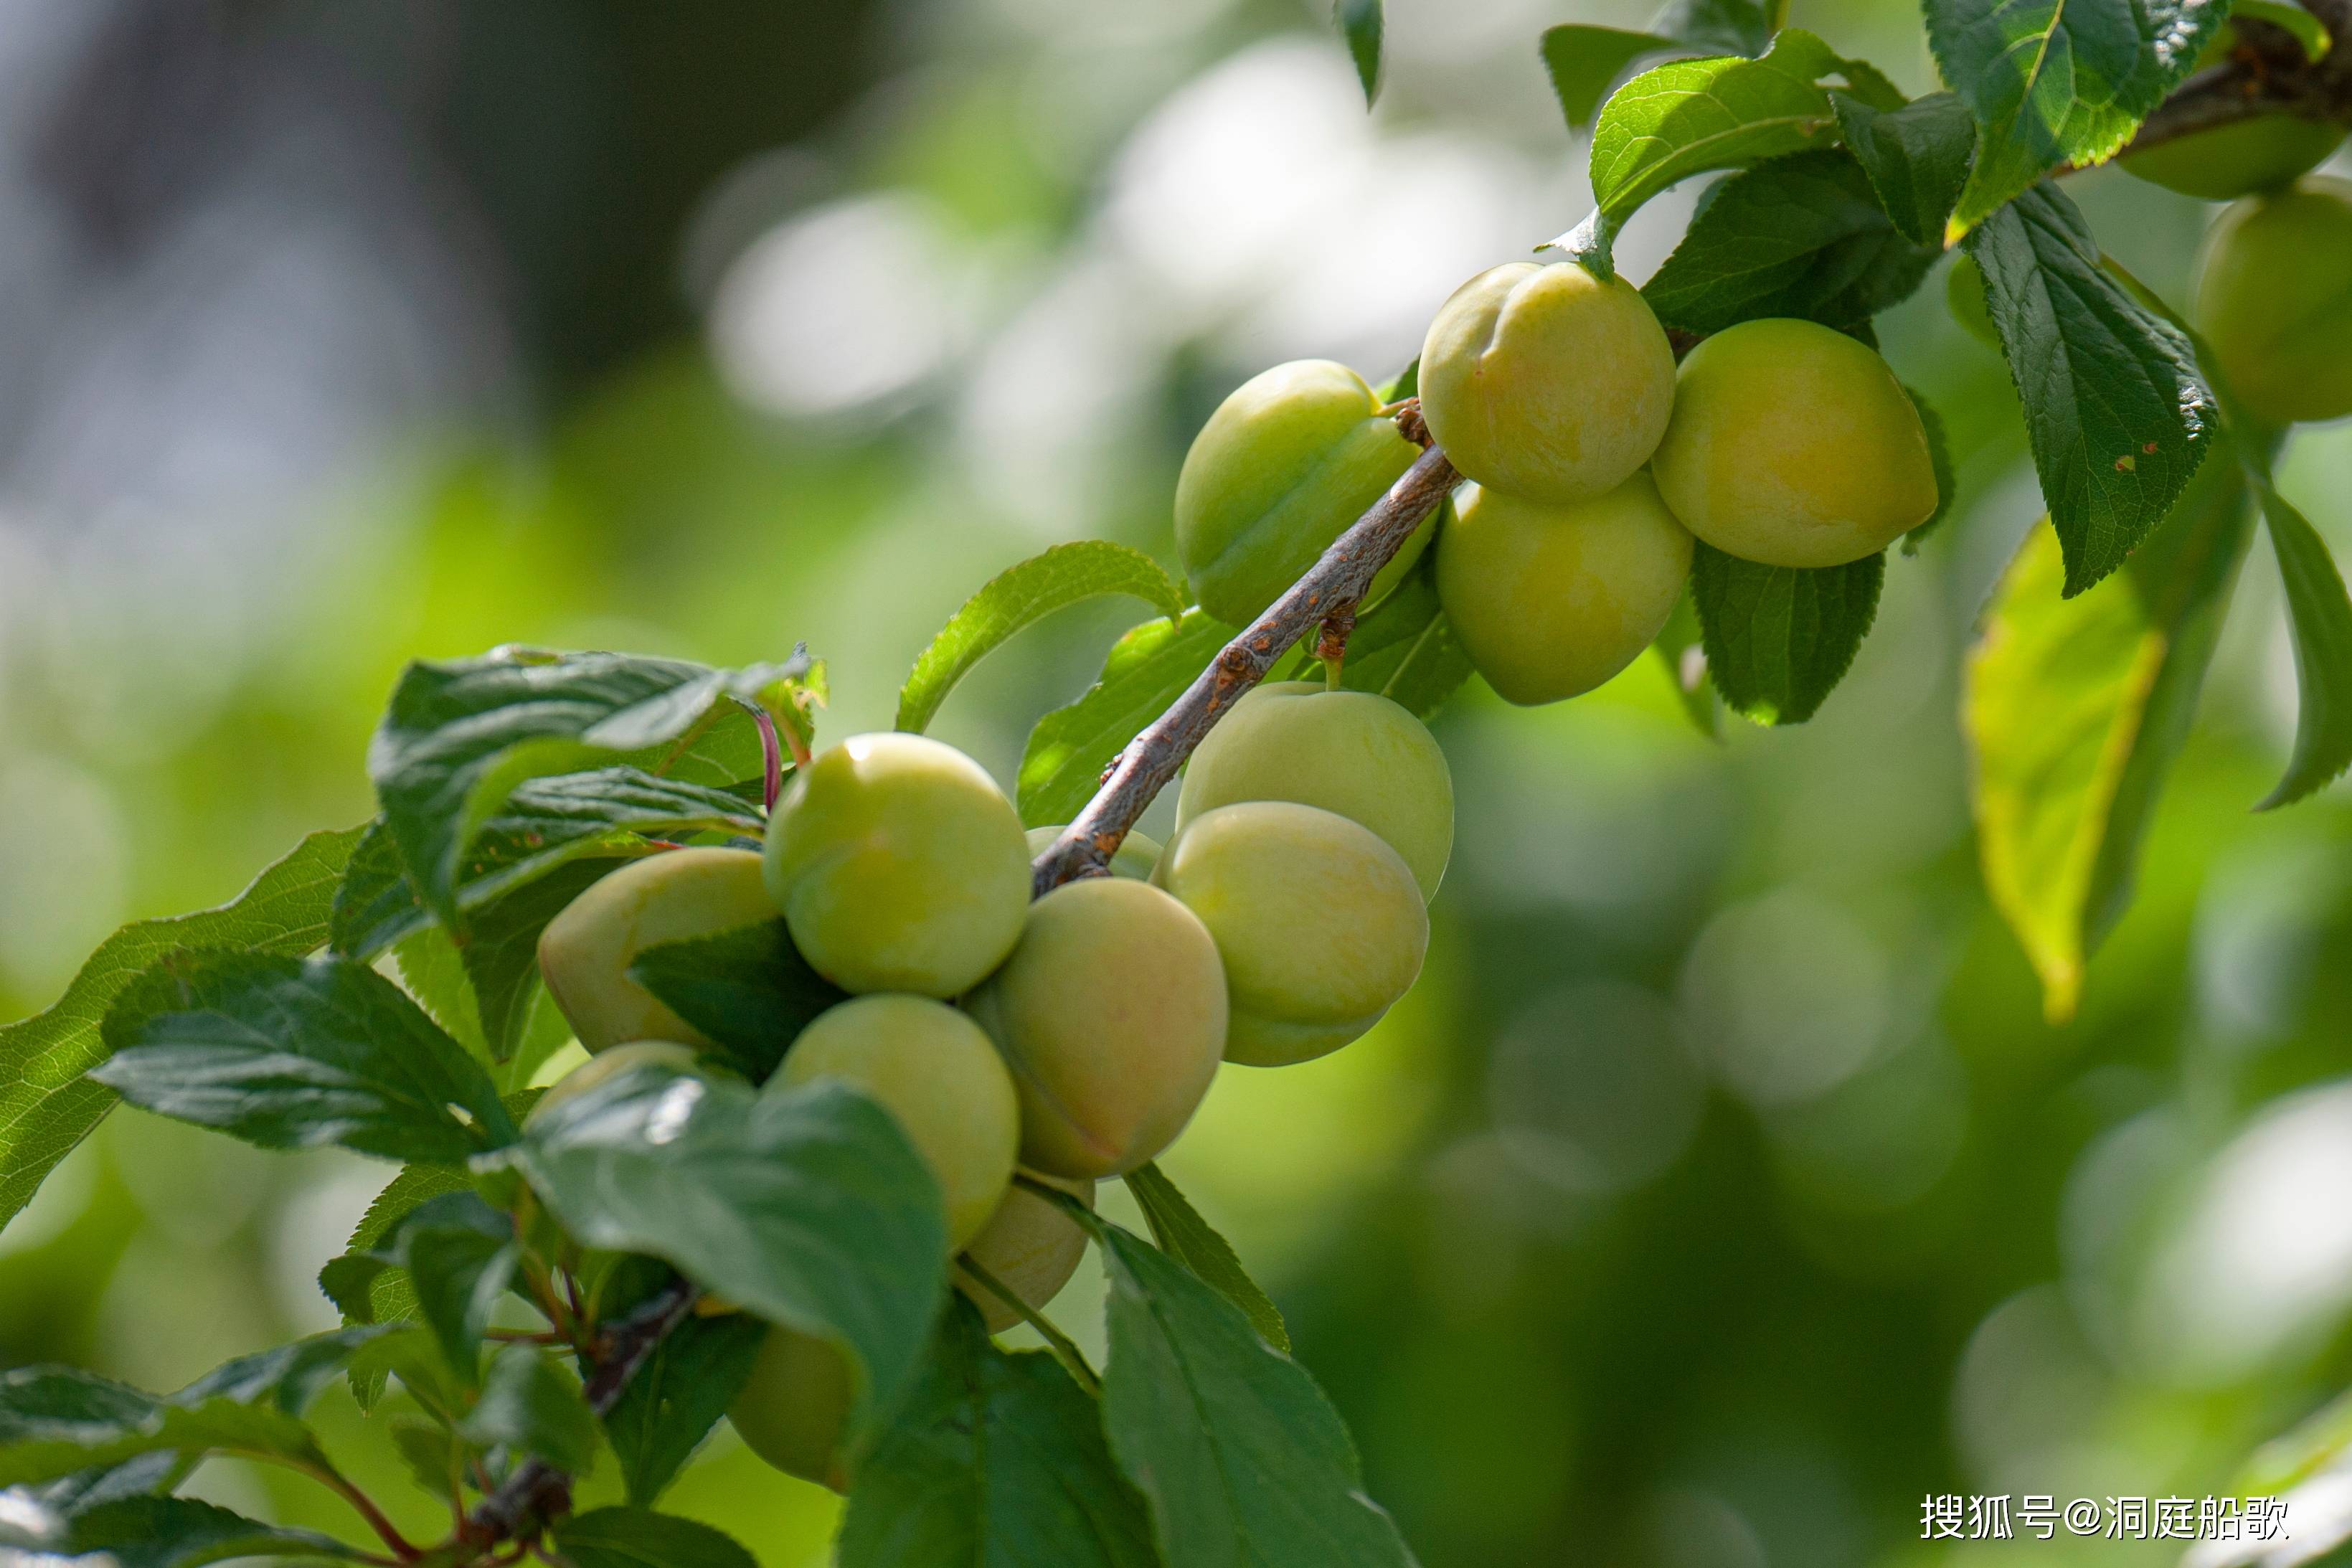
2268	73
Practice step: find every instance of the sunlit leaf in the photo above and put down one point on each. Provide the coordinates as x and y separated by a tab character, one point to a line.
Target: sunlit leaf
1917	158
1063	764
748	991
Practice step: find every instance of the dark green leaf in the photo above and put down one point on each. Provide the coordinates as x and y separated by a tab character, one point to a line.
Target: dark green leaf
1185	1237
993	1457
748	990
501	955
460	737
1063	764
181	1533
1939	457
678	1395
410	1353
1779	639
1801	236
531	1405
288	1053
1241	1457
2075	709
47	1104
1062	576
1582	61
1360	25
286	1378
459	1254
1681	646
1917	158
2321	617
2058	82
434	1454
809	1207
2116	414
636	1537
1716	26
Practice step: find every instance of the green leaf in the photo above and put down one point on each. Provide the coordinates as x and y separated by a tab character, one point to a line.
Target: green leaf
1801	236
993	1457
1241	1457
1360	25
1939	458
636	1537
434	1454
1917	158
288	1054
1716	26
286	1378
1150	667
460	737
501	957
1582	61
2115	411
1406	649
2321	619
47	1105
748	990
678	1396
2058	82
2305	29
1779	639
181	1533
363	1288
809	1208
531	1405
1681	646
459	1254
1191	1240
1065	575
2075	710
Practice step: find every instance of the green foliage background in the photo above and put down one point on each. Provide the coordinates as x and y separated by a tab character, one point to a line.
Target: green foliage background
1720	1190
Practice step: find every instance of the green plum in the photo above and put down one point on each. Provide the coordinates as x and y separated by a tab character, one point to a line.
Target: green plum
1354	753
1030	1246
2239	157
1286	462
899	867
1793	445
1319	923
1550	600
1111	1013
794	1407
932	1068
1137	852
585	952
1547	382
2274	298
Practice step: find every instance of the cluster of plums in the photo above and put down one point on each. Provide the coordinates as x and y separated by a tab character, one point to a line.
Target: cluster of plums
1593	461
1070	1038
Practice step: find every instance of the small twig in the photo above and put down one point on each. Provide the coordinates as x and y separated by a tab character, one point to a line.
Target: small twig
1065	1349
335	1481
1331	643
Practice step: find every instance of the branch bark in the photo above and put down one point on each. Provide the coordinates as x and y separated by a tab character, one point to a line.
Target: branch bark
2268	74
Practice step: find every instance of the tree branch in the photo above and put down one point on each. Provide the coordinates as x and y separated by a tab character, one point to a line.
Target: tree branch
2268	73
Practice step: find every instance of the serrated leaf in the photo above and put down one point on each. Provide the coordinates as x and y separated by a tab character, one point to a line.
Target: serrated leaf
289	1053
2058	82
1917	158
1065	575
678	1396
434	1454
284	1377
47	1104
2075	710
992	1457
1360	25
1239	1455
459	1254
460	737
809	1207
2320	617
1779	639
2117	412
530	1405
638	1538
181	1532
748	990
1801	236
1063	764
1192	1241
1582	61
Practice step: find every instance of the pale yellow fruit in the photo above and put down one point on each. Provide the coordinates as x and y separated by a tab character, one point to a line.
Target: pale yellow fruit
2274	298
934	1071
1319	923
1552	601
1031	1247
1111	1013
680	894
1355	753
793	1408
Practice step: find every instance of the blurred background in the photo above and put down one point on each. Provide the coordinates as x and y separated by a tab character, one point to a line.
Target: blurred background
1720	1190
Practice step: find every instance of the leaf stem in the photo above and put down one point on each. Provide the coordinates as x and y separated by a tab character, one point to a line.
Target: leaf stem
1065	1349
334	1480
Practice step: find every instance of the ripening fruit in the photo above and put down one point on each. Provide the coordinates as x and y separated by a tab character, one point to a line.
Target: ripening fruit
793	1407
585	953
1138	853
1793	445
1286	462
933	1069
1551	601
2274	297
1546	382
1111	1013
1032	1248
1354	753
609	1064
1319	923
1964	295
899	867
2239	157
